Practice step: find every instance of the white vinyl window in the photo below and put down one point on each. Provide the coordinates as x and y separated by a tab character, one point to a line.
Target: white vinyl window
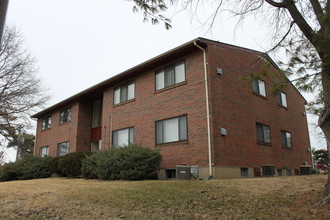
263	133
286	139
258	86
281	98
170	75
65	115
44	151
123	137
46	122
124	93
63	148
171	130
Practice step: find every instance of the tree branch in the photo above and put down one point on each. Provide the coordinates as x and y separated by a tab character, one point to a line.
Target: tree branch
318	11
299	19
276	4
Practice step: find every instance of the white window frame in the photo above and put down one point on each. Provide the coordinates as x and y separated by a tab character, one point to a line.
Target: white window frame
259	87
172	130
63	148
44	151
123	137
263	133
124	93
46	122
170	75
282	100
286	139
65	115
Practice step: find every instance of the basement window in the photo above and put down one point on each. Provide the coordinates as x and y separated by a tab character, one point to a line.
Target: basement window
245	172
170	174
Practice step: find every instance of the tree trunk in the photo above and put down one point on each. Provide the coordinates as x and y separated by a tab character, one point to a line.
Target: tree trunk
324	119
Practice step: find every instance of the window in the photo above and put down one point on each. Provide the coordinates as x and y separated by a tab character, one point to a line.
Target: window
170	174
124	93
279	172
268	170
46	122
44	151
171	130
123	137
258	86
65	115
244	172
63	148
97	114
286	139
263	133
281	98
170	75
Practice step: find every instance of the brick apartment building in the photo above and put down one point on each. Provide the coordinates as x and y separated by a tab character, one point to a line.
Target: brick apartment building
207	106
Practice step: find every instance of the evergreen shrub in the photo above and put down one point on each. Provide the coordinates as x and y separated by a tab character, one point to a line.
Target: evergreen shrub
29	167
132	162
70	164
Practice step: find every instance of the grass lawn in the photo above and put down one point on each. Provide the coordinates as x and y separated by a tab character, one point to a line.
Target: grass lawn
257	198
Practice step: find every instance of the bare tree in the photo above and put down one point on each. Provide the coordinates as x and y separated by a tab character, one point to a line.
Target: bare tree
2	158
20	89
301	26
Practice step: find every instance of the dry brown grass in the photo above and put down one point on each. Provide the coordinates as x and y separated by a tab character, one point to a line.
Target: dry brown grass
258	198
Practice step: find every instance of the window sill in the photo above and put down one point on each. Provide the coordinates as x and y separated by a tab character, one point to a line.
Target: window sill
282	106
172	143
64	123
170	87
123	103
46	129
287	148
259	95
264	143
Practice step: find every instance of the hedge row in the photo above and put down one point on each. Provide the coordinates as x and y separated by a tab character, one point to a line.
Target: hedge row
127	163
34	167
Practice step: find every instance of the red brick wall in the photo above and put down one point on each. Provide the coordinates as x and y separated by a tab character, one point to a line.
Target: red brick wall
237	109
58	133
150	106
233	107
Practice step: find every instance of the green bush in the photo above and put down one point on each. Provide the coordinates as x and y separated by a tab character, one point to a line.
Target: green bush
126	163
29	167
70	164
53	166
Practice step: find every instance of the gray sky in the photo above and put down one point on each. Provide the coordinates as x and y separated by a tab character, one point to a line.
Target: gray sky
79	43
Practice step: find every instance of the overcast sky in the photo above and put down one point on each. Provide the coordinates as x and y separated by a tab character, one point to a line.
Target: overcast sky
79	43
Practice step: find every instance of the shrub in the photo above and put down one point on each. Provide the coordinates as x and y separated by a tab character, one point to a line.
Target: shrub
29	167
53	166
127	163
70	164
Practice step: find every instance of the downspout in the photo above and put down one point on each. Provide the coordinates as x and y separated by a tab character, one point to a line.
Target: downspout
207	111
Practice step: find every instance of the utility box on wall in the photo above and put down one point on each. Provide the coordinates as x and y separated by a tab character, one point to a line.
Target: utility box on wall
185	172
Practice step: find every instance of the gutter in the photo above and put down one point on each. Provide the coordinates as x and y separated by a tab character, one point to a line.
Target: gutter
207	110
